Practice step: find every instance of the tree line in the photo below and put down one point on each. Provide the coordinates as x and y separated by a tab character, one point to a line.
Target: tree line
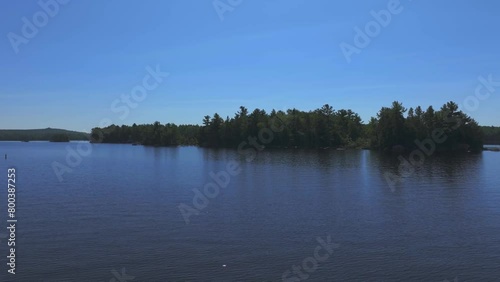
324	127
491	135
41	134
155	134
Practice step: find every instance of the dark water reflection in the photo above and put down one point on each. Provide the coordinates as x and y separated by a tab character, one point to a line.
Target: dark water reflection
119	209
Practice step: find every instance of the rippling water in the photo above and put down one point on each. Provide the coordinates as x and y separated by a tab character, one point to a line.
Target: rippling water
118	210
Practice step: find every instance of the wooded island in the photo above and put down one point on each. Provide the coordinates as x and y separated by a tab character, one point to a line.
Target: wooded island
393	127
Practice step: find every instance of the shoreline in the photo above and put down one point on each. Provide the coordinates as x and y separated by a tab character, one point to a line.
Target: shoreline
489	147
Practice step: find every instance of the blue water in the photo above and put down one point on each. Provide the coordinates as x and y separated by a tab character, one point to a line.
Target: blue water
118	210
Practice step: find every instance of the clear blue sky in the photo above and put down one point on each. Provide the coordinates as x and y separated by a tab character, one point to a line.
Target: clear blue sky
267	54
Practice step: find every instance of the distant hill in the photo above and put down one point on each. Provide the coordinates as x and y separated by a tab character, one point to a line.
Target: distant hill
40	134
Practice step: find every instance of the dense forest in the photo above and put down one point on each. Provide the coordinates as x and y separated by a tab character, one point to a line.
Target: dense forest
391	127
324	127
61	137
154	134
40	134
491	135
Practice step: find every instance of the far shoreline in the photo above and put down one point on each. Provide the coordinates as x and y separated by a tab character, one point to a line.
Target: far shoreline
488	147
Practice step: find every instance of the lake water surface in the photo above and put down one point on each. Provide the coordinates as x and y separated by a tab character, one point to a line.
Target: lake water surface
118	210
